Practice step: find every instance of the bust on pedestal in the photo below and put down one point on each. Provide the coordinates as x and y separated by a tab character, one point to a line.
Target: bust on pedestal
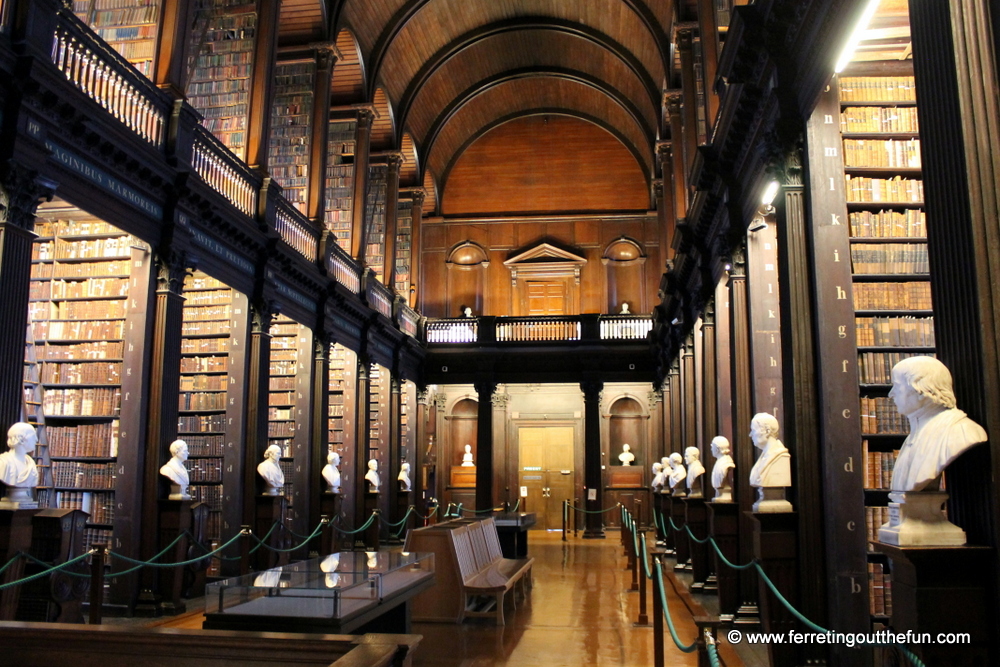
657	483
331	473
17	468
939	433
772	473
404	477
677	475
176	471
271	472
722	472
372	476
467	458
626	458
695	469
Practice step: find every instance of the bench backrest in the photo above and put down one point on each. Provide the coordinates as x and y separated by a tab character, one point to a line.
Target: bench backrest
479	548
492	539
461	542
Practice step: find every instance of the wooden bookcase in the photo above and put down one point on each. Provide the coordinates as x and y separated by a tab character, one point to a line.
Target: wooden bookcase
340	424
378	419
375	204
340	181
404	240
128	26
224	36
291	129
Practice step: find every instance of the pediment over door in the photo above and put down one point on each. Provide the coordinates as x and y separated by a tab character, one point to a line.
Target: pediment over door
545	261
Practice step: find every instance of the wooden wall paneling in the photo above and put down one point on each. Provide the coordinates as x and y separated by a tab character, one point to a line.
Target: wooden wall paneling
765	341
433	292
485	495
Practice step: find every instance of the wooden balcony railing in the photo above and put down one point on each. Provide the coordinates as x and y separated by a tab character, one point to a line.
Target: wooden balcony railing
107	78
529	329
296	230
409	321
465	330
343	268
379	297
625	327
583	328
224	172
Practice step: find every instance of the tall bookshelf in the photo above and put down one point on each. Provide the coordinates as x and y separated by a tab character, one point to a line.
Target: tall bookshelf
340	181
340	425
128	26
81	287
408	426
379	388
291	129
375	203
221	65
288	407
404	236
890	275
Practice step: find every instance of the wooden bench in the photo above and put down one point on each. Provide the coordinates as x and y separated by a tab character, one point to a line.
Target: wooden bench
48	644
468	564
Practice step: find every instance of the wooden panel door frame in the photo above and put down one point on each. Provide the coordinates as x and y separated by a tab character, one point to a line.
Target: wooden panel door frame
515	450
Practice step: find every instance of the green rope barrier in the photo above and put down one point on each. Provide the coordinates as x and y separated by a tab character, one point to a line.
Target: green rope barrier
645	559
426	518
9	563
726	561
518	504
152	563
693	646
39	575
687	529
364	527
406	516
489	509
580	509
316	532
713	650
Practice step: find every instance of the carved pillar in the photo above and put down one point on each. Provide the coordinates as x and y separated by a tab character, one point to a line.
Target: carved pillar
484	445
684	38
395	161
20	193
362	146
262	91
673	100
421	446
708	33
436	421
710	397
174	40
361	441
416	223
326	59
676	407
723	360
592	390
320	445
390	498
666	207
258	381
689	427
503	472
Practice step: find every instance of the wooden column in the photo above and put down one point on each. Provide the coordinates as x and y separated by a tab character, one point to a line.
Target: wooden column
416	217
395	161
774	545
665	206
709	397
708	33
689	426
389	498
421	451
20	193
503	470
173	44
723	361
484	445
954	63
674	440
258	394
743	449
319	416
265	55
765	323
361	437
684	39
698	377
592	458
326	60
673	99
362	146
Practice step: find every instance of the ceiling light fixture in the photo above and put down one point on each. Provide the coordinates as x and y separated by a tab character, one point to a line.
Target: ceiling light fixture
852	42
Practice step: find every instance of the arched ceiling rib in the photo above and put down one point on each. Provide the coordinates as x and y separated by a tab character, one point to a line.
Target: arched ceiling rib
409	171
348	83
521	46
383	127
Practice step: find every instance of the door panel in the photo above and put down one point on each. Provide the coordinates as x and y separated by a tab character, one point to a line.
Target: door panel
546	298
546	455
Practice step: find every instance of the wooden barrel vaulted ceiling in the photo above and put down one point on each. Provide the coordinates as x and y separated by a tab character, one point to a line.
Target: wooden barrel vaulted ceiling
451	71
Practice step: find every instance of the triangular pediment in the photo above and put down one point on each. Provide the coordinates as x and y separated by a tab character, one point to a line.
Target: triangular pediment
545	252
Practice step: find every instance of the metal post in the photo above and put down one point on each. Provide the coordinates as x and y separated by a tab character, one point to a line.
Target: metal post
245	549
643	618
97	584
634	557
576	517
565	512
657	621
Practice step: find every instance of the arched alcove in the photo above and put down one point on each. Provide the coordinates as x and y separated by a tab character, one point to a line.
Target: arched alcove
624	261
467	264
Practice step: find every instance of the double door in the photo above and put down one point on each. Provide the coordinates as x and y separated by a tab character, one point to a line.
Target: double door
546	458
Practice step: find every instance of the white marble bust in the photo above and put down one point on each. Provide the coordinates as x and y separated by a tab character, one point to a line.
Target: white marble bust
467	457
722	471
772	473
626	457
271	471
677	474
625	310
939	431
176	471
17	468
329	567
657	483
404	477
331	473
372	476
695	469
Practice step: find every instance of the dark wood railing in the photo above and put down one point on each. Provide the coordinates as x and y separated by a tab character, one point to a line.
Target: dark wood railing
539	329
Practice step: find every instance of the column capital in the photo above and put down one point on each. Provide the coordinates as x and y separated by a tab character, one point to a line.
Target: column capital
21	191
684	33
440	401
501	400
739	262
592	390
708	316
658	188
416	195
673	100
485	388
172	266
395	160
366	116
262	314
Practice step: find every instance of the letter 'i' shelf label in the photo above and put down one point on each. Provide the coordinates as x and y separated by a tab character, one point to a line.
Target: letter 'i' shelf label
103	180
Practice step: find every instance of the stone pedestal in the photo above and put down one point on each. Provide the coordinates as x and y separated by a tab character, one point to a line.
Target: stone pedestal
917	519
723	526
15	536
774	545
682	547
329	506
18	498
175	519
269	510
195	573
943	590
696	518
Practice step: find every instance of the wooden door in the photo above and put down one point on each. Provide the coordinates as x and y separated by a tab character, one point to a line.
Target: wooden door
546	455
546	298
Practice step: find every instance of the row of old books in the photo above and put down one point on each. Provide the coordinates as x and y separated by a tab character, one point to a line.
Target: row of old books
891	153
87	402
95	349
878	467
876	367
890	120
99	505
892	296
902	331
97	440
80	269
888	224
879	415
879	590
862	189
877	89
80	475
889	258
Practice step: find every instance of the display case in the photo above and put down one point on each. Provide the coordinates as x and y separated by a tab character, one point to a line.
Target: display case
340	593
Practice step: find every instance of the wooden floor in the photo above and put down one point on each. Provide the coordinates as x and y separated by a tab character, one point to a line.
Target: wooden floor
579	613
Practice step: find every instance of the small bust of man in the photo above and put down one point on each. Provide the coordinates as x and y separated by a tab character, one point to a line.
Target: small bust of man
677	474
372	475
626	457
657	483
773	466
271	471
625	310
939	431
467	457
176	471
17	468
722	472
466	311
695	469
331	473
404	477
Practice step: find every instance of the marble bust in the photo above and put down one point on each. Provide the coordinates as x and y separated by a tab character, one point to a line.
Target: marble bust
626	457
722	471
677	474
657	483
372	476
331	473
176	471
404	477
271	471
939	433
329	566
772	473
17	468
695	470
467	457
